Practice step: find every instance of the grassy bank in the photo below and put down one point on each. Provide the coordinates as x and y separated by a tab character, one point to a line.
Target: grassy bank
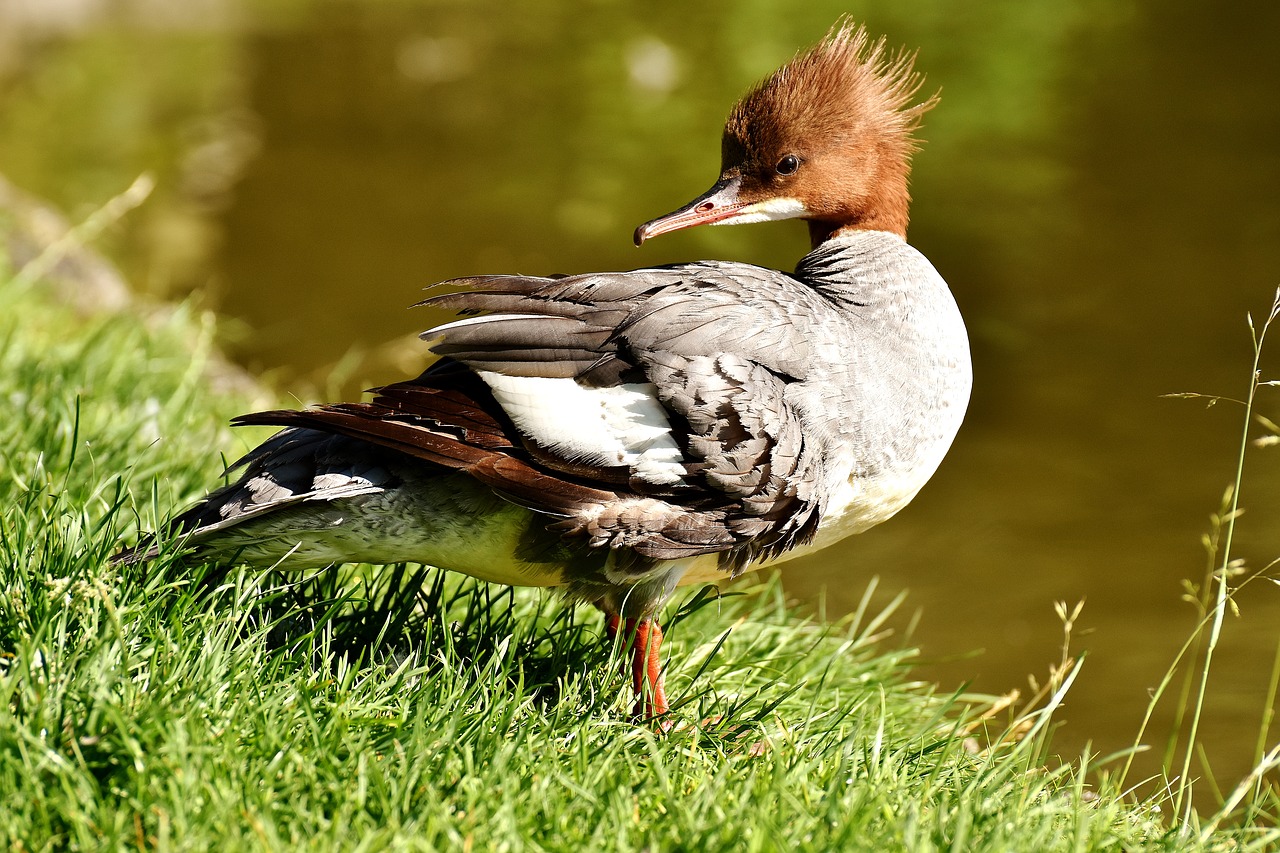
408	708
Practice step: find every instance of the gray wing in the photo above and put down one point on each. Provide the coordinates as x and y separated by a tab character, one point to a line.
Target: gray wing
722	346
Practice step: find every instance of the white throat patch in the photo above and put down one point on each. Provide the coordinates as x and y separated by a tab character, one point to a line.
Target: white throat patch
769	210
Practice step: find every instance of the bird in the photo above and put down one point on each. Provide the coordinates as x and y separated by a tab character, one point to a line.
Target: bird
619	435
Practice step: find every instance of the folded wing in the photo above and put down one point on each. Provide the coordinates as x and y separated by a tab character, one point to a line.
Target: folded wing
650	411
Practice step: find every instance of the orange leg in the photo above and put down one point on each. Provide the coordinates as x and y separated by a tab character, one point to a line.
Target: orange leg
644	645
645	636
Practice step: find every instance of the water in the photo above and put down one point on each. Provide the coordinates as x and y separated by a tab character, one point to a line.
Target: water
1100	185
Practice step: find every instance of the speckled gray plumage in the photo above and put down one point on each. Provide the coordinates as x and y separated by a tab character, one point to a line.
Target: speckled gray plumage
806	407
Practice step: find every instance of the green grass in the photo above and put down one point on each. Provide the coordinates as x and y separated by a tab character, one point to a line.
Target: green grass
409	708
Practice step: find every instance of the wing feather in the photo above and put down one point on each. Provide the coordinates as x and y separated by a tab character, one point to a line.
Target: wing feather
710	458
718	344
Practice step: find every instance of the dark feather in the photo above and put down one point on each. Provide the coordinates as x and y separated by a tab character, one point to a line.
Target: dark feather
674	327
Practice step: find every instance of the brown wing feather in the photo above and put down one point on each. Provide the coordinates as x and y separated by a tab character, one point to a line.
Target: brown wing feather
715	340
448	417
718	343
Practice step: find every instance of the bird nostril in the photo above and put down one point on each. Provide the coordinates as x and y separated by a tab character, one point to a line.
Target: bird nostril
705	206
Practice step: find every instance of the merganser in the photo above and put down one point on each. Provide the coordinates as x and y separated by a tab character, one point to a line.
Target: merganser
618	435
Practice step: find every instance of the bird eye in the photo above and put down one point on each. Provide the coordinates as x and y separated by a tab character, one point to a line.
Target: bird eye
788	165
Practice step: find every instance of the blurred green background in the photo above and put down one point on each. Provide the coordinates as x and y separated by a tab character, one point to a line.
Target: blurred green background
1100	185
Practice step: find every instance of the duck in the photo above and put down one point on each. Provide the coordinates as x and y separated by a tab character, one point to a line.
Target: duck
619	435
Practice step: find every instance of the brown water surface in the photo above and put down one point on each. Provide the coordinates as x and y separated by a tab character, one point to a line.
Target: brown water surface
1100	186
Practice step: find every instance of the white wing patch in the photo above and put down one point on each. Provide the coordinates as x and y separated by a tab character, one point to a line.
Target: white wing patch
620	425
